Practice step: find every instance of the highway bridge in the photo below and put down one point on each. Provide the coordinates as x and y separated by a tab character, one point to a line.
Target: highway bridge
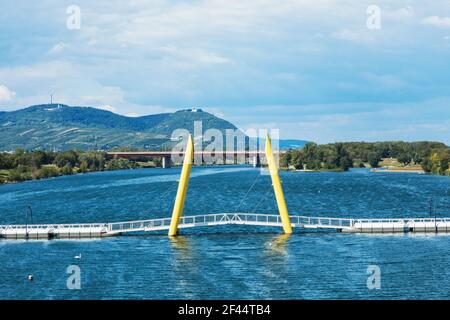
223	157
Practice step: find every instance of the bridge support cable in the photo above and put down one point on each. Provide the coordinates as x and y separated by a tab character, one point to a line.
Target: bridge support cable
281	202
246	194
165	194
182	187
256	207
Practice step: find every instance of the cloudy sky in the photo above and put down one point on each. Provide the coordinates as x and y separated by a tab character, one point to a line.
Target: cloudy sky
313	69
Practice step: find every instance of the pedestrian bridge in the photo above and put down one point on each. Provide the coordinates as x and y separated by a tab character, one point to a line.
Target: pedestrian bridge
251	219
97	230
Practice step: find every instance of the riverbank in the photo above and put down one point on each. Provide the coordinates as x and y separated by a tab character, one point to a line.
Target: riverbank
393	156
24	166
10	176
402	170
309	170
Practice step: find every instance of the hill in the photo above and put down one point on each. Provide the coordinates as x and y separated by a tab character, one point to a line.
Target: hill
62	127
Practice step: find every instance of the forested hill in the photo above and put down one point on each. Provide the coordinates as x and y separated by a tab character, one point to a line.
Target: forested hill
61	127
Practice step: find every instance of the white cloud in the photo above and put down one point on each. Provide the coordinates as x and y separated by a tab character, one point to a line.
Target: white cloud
58	48
356	36
385	81
400	14
36	72
107	108
427	120
132	115
6	94
195	56
436	21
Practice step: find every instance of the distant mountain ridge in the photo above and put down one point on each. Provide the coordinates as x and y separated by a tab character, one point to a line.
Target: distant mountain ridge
62	127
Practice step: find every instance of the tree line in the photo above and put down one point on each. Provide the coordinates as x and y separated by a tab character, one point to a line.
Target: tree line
433	157
22	165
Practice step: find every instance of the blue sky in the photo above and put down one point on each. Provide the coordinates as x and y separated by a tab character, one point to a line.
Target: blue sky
310	68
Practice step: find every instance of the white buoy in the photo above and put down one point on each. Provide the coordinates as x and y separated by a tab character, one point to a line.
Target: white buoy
78	256
30	277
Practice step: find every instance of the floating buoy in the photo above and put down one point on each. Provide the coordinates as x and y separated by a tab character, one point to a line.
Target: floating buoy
30	277
78	256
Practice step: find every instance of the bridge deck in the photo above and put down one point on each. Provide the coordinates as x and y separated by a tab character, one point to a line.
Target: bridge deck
49	231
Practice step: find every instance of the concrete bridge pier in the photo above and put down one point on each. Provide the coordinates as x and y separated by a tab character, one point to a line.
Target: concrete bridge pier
166	162
256	161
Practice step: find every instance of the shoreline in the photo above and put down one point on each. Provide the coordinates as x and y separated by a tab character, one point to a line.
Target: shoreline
75	173
400	170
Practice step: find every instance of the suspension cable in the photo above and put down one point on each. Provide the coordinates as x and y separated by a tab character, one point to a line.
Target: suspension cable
246	194
260	201
175	183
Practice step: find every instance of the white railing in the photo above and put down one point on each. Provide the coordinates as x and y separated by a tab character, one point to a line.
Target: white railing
323	222
52	226
401	220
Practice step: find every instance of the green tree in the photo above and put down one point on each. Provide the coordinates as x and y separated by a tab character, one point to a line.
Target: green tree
67	169
373	158
344	160
18	174
312	156
15	175
404	158
64	158
297	159
286	159
95	160
331	157
118	164
36	159
83	167
6	161
47	172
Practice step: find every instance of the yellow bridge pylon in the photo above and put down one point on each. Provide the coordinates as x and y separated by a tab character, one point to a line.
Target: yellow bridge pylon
182	187
276	183
184	181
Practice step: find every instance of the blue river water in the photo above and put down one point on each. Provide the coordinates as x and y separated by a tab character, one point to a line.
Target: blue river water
227	262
